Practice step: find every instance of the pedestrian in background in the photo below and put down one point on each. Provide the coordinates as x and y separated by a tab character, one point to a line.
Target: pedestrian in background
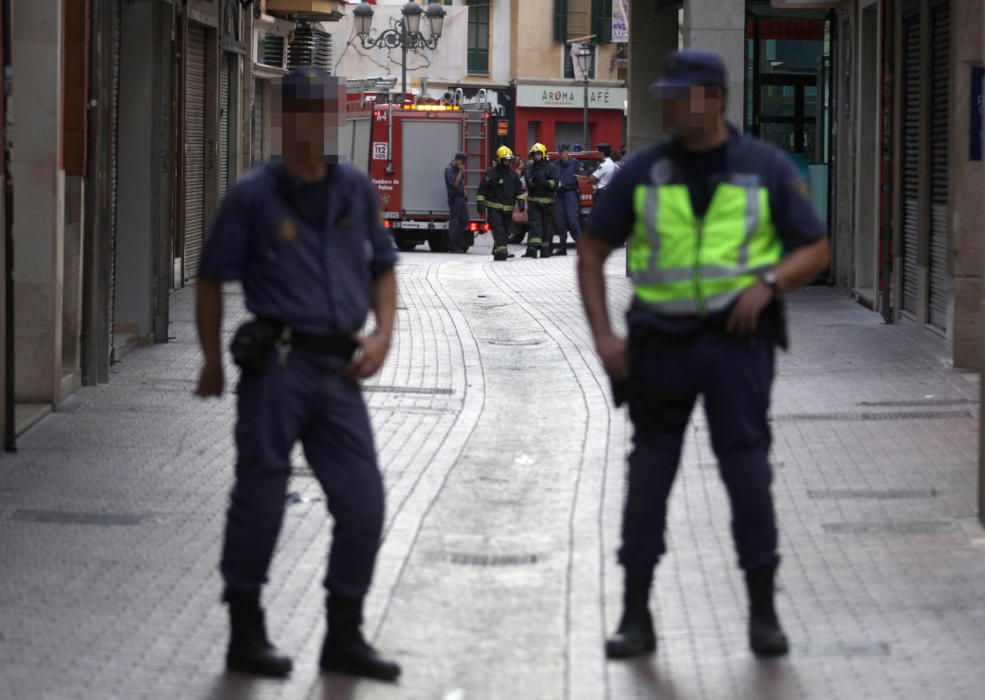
458	214
719	227
603	173
567	211
304	236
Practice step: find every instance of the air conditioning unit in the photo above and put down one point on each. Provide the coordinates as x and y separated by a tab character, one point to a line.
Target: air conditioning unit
271	50
310	47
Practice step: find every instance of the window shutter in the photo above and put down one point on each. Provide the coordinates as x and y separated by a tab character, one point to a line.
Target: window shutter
561	20
602	21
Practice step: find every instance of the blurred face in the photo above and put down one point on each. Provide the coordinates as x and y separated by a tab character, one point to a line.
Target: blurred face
309	125
538	156
692	110
564	156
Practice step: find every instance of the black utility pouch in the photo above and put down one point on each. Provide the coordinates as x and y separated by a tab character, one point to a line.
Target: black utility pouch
252	345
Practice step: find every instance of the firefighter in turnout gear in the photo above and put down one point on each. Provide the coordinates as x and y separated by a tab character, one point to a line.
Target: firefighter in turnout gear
500	192
542	181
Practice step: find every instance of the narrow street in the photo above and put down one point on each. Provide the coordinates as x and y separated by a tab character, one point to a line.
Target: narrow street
504	465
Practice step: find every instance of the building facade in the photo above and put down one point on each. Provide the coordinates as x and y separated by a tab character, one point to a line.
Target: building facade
520	54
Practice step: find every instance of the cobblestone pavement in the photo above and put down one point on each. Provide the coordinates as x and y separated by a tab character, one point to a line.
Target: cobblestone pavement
504	464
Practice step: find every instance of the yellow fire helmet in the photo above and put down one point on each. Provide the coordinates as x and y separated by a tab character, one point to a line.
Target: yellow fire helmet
504	152
539	148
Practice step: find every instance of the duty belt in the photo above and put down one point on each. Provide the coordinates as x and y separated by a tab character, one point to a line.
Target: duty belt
338	345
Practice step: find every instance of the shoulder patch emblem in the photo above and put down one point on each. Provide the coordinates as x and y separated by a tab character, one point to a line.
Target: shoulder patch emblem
288	230
801	187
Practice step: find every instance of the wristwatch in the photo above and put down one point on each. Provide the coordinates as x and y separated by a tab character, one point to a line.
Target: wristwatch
770	279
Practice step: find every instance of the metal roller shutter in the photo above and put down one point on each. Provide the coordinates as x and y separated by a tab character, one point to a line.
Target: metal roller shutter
940	280
114	162
194	204
911	157
257	122
225	124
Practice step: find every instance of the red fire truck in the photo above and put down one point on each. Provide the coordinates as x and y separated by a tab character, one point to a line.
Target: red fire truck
405	148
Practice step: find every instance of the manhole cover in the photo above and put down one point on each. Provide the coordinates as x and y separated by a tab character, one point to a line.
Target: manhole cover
63	518
494	559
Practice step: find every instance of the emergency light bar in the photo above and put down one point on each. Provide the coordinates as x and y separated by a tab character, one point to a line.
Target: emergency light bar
433	108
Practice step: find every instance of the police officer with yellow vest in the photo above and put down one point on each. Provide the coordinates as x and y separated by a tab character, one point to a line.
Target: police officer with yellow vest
718	226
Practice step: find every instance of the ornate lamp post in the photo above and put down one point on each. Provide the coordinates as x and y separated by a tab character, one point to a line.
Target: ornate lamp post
407	37
584	58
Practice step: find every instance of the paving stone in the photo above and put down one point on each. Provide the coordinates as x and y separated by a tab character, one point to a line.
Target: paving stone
504	463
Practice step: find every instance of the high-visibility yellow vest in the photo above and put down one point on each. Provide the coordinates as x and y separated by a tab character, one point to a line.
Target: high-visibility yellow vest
684	265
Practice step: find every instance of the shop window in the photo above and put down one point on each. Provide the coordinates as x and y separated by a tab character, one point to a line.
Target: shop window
478	37
533	129
577	18
569	69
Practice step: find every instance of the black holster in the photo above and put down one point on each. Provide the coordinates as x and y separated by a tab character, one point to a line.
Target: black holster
252	344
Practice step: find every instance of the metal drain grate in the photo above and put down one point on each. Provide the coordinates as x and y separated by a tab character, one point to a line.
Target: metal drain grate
712	464
516	342
914	527
63	518
845	649
880	416
920	402
493	559
426	391
871	494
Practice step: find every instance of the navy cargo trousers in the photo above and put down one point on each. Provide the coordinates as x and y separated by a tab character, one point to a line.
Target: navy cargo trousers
305	398
734	375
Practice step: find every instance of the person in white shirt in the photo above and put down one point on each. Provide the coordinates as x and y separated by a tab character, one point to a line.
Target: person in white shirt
603	174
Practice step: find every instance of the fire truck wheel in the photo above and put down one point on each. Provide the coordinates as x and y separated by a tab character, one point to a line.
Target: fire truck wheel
438	242
406	246
517	233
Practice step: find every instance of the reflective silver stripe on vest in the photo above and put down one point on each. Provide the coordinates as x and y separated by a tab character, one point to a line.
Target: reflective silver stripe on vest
751	184
660	174
689	307
708	272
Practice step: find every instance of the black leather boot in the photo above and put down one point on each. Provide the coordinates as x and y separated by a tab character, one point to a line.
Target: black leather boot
345	650
249	649
531	253
766	637
546	251
635	634
561	250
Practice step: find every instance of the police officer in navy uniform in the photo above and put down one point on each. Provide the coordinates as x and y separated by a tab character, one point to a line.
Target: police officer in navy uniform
717	227
458	219
304	237
567	211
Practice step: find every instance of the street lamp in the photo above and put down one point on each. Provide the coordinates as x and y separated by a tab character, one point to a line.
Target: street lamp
584	57
407	37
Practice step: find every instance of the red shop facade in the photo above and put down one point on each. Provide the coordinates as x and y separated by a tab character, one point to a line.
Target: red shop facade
554	114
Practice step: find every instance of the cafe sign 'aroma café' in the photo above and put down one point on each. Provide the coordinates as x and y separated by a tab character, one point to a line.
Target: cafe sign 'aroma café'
553	114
